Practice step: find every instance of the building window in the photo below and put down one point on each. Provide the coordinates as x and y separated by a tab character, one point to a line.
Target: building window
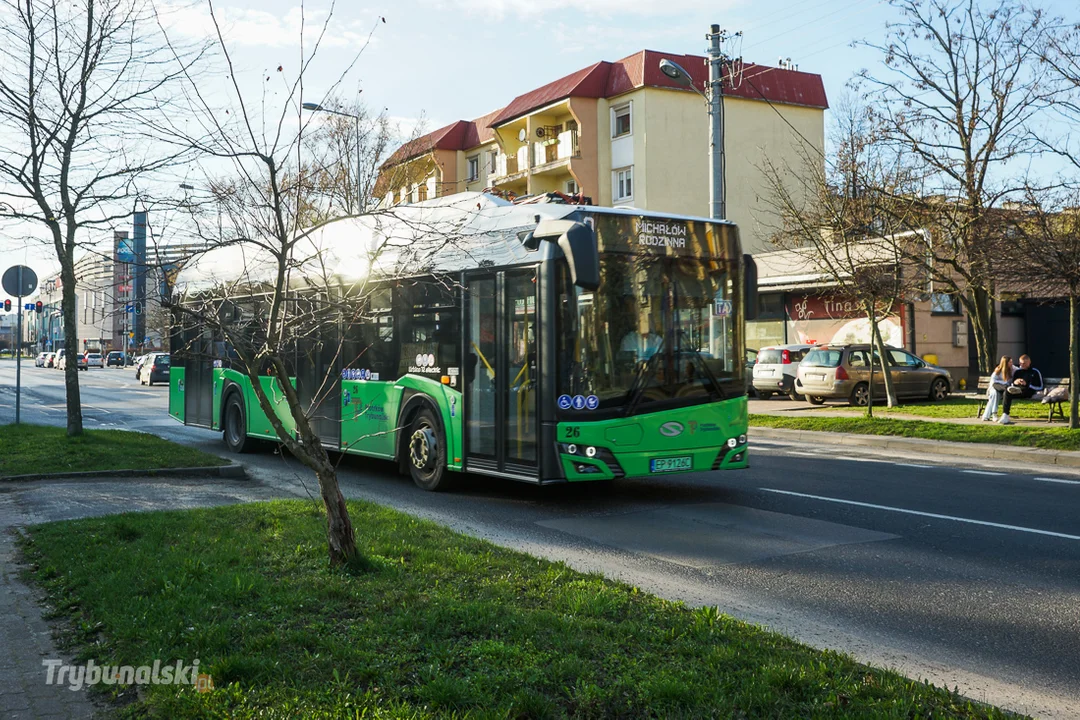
474	168
771	306
493	161
571	187
623	184
421	192
944	304
620	121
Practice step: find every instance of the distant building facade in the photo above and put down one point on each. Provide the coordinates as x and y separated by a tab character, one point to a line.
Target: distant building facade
624	134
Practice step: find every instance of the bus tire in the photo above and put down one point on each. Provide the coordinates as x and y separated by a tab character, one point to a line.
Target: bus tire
425	452
234	425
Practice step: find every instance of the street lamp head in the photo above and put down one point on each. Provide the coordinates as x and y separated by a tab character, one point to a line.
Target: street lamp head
185	186
676	73
311	106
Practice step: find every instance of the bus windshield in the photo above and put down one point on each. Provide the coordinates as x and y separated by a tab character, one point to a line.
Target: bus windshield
660	332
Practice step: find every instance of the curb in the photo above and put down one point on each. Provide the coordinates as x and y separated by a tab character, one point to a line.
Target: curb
224	471
985	451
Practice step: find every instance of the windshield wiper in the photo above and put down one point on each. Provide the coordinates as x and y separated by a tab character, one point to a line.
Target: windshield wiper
635	392
715	388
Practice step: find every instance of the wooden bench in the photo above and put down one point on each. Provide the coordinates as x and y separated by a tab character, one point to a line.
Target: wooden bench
1054	406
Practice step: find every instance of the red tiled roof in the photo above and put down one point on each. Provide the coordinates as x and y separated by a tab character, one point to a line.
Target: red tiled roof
610	79
479	130
587	82
460	135
757	82
445	138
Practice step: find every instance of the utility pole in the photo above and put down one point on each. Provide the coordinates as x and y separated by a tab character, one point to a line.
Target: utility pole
715	105
716	126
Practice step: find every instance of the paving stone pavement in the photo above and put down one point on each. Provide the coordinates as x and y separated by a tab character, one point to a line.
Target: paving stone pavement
25	637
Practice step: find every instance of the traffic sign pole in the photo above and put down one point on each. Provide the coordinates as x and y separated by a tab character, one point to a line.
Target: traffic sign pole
20	281
18	358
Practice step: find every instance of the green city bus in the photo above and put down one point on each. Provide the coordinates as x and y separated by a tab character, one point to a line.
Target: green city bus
545	343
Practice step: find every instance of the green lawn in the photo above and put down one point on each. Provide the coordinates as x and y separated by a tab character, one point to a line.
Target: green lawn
441	625
953	407
33	449
1050	437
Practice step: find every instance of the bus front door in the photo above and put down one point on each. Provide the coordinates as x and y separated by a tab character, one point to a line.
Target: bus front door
501	374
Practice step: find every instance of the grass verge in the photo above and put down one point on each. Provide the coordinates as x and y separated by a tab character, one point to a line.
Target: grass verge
442	626
954	407
33	449
1049	438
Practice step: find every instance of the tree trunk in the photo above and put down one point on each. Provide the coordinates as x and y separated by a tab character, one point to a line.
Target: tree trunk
872	316
340	536
307	448
71	348
983	318
1074	362
890	391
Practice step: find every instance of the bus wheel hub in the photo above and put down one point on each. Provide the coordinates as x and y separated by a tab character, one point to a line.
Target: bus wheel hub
421	447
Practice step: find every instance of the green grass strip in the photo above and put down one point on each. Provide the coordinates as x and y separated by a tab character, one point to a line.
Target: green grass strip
1050	438
955	407
441	625
33	449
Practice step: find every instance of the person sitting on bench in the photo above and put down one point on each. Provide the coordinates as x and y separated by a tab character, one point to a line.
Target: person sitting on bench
1026	382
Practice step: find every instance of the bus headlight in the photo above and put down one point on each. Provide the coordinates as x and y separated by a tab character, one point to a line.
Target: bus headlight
590	451
742	439
732	443
572	449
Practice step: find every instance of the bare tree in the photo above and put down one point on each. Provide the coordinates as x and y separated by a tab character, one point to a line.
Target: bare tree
1040	253
850	220
270	289
79	85
342	156
960	93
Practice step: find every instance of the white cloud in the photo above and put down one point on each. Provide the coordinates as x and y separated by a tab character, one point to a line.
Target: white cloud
600	8
261	28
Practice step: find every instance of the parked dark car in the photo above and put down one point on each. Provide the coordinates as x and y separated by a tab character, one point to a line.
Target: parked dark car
115	358
154	368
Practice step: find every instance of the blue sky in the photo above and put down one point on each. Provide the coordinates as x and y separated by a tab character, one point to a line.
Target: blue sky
445	60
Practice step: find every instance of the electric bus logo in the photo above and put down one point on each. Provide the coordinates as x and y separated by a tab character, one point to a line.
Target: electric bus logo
671	429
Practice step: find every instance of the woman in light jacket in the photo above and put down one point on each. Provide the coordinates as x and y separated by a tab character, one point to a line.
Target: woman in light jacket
1002	377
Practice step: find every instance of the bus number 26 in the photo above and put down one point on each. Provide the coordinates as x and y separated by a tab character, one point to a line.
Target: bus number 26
572	431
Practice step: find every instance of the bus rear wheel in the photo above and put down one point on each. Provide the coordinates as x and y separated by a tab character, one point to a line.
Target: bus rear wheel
235	425
426	452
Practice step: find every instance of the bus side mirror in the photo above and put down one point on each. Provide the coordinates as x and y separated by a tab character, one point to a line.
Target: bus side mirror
578	245
750	297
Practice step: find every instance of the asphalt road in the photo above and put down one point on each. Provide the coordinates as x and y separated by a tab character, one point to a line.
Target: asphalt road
961	572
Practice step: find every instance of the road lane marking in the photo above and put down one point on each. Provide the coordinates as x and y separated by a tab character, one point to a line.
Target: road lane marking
982	472
1063	481
925	514
914	465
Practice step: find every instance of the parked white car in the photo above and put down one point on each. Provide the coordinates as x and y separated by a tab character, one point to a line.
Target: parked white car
776	369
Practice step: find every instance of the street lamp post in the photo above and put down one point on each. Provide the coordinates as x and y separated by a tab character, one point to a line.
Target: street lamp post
316	107
715	98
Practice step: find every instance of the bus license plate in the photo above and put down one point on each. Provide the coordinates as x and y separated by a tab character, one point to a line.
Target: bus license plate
673	464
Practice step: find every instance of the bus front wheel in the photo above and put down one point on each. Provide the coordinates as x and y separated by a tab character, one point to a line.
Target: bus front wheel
235	425
426	452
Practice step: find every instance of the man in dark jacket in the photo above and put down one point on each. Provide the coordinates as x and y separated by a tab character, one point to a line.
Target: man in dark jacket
1026	382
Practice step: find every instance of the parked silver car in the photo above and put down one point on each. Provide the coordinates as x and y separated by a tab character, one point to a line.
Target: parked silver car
842	372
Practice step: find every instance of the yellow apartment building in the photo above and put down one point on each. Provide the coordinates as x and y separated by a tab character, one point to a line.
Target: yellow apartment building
624	134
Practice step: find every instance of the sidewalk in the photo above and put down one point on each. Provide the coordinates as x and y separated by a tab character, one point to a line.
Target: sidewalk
25	637
26	640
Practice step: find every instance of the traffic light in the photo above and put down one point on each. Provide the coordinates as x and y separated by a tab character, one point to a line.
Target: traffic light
38	306
7	306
